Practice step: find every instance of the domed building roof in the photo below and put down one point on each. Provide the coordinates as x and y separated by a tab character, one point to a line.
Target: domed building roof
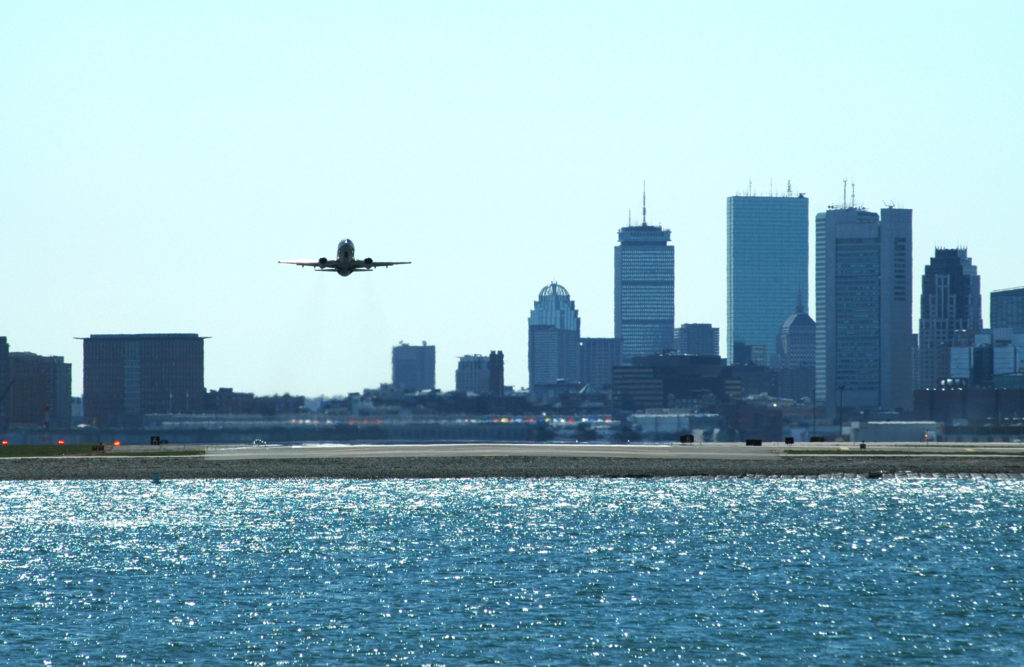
554	289
554	307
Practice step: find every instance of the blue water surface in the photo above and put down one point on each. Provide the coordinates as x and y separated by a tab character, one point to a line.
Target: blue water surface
546	571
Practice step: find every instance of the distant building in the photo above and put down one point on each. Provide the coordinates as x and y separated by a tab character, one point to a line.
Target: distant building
126	376
644	289
554	341
952	405
950	302
766	254
987	358
597	358
666	381
412	367
864	293
5	384
1006	309
472	375
496	373
480	374
228	401
700	339
40	393
795	353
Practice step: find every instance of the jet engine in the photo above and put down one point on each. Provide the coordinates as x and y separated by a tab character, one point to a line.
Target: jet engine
323	261
368	261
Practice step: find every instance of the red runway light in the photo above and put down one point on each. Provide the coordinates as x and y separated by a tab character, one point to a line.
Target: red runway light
117	443
5	443
60	442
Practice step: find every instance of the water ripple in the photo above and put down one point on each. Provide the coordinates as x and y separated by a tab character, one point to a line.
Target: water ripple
582	571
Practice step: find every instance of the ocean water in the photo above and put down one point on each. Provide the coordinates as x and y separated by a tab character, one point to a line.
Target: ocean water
501	571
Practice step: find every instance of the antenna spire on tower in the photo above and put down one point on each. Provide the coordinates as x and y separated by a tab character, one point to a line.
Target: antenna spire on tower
844	193
645	202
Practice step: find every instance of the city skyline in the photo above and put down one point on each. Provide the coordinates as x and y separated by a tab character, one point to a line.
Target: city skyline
158	162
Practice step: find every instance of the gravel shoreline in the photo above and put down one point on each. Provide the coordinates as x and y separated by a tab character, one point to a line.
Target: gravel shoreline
427	467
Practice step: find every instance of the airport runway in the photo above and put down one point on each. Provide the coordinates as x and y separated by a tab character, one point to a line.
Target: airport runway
526	460
490	449
588	450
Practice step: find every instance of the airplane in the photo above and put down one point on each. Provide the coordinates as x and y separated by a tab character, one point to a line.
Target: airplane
346	262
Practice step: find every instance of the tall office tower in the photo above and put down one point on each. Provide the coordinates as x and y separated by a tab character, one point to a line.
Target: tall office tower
1006	309
412	366
645	289
597	357
40	391
554	340
950	302
481	374
864	336
700	339
766	263
127	376
5	384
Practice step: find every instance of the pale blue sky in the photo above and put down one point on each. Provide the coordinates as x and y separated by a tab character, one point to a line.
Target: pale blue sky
157	159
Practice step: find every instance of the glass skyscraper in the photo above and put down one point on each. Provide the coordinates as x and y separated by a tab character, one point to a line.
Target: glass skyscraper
863	292
645	290
766	254
950	302
554	343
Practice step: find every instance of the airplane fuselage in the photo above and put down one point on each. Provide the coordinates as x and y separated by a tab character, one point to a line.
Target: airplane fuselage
347	262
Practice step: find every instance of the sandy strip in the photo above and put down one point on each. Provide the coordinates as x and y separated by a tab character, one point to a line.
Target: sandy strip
529	460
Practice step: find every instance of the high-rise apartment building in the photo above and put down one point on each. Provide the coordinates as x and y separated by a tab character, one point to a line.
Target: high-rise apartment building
645	278
128	376
412	367
40	393
864	293
699	339
471	375
496	373
554	340
766	263
950	302
480	374
1006	309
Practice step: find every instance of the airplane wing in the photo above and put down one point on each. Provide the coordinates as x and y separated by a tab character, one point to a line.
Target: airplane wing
376	264
320	265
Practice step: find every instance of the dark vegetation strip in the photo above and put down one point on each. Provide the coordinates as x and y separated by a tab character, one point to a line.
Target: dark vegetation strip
22	451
